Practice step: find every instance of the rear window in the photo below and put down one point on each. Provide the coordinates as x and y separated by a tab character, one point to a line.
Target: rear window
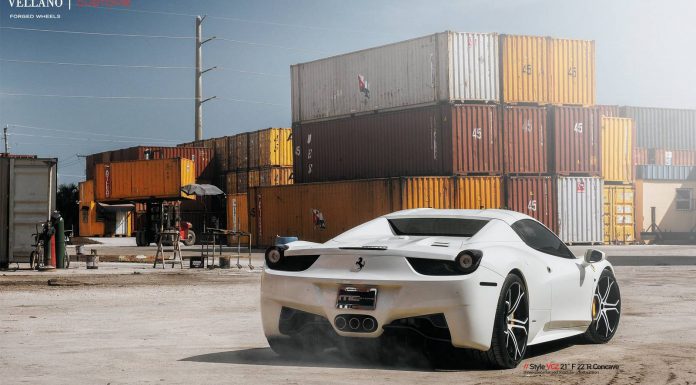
453	227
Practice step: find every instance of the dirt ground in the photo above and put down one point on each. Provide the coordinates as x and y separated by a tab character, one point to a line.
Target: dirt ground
127	323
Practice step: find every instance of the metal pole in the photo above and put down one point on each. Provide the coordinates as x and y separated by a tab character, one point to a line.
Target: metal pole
4	136
199	82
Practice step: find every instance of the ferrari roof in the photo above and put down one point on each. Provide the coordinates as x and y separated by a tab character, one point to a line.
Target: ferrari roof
504	215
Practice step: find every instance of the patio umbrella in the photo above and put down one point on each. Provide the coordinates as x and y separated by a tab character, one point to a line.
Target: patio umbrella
201	189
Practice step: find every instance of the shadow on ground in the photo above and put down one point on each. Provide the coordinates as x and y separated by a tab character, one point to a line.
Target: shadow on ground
416	361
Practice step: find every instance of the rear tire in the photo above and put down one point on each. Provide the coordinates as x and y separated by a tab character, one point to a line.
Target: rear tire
606	310
511	327
190	238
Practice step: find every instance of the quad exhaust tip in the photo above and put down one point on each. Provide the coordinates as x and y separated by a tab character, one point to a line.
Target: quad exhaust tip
355	323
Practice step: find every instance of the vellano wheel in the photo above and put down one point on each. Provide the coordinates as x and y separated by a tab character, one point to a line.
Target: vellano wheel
511	327
606	309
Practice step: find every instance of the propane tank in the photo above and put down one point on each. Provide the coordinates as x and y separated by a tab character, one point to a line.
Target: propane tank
59	226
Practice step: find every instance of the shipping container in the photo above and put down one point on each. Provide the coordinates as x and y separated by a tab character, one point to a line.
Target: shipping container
617	149
657	172
143	179
640	156
253	149
275	176
231	183
608	110
202	157
619	224
27	197
90	224
242	181
534	196
435	140
579	203
673	202
231	153
442	67
525	136
254	178
572	72
242	151
525	69
275	147
671	157
237	213
576	138
221	155
318	212
663	127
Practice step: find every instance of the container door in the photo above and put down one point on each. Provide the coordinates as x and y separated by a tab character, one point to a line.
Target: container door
121	227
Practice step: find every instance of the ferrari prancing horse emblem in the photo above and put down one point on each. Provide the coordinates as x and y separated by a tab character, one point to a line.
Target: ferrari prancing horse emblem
359	264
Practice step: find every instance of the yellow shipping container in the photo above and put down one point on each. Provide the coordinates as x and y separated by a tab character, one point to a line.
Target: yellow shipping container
482	192
275	147
276	176
319	211
572	72
143	179
619	214
525	72
618	135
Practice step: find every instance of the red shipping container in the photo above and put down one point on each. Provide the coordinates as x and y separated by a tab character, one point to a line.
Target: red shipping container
525	135
534	196
640	156
433	140
671	157
576	134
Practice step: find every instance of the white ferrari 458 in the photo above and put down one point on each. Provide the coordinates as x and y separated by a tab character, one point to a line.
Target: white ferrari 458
482	284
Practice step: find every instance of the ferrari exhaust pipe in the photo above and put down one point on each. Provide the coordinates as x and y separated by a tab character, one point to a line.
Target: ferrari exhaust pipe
355	323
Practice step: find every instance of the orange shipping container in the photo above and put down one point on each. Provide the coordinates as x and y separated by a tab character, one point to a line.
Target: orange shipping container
572	72
525	72
238	212
86	190
143	179
319	211
89	225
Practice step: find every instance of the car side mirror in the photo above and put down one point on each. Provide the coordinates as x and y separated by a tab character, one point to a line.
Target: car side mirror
592	256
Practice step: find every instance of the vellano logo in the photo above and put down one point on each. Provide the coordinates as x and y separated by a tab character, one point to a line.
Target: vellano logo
37	3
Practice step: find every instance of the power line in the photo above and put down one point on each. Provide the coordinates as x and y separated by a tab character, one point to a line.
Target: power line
74	138
268	45
88	133
132	66
99	33
135	98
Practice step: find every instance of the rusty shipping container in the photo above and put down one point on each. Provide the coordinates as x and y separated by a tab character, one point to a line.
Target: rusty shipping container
534	196
253	149
617	149
525	136
664	157
275	147
441	67
572	72
619	214
435	140
319	211
640	156
238	212
221	155
579	203
231	153
525	69
231	182
663	127
275	176
201	156
576	138
143	179
241	151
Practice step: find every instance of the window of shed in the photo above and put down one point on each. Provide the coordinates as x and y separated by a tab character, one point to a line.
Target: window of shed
684	200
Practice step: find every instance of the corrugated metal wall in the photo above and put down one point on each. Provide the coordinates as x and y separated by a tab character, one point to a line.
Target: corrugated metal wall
577	138
580	209
525	140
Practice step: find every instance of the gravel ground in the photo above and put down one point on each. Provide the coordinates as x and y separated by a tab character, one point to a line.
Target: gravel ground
128	323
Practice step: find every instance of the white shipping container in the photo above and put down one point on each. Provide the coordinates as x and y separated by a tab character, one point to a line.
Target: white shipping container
580	218
27	197
442	67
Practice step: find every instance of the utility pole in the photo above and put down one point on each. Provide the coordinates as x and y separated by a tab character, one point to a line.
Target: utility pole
4	137
199	79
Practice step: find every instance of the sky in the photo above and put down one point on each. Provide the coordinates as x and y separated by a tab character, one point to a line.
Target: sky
644	51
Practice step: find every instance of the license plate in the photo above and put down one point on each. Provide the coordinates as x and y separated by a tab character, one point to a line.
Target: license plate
350	297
